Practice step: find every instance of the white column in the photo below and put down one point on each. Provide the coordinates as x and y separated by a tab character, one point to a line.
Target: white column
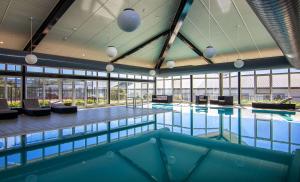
85	93
60	90
73	92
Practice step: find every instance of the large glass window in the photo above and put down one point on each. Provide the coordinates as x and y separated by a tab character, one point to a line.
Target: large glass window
10	88
67	91
79	92
247	87
34	88
213	90
280	84
199	85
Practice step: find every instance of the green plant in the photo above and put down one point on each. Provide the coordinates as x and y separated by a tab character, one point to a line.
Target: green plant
14	104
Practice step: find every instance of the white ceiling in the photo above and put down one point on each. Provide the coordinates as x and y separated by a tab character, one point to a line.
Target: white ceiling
89	26
15	22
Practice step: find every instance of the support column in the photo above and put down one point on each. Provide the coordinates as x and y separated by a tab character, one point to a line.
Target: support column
85	93
97	92
154	86
108	88
73	92
221	84
60	90
191	88
23	83
239	88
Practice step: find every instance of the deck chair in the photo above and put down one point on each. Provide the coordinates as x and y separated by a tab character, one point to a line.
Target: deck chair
32	107
6	112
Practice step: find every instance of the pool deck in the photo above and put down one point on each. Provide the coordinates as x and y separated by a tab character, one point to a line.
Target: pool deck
28	124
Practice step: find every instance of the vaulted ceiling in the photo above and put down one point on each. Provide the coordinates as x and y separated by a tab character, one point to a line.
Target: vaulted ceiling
89	26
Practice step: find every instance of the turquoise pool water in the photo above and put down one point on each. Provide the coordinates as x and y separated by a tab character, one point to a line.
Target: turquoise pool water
268	129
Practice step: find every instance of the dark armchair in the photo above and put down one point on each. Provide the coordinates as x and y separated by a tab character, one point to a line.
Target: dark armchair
201	99
6	112
223	100
162	98
33	108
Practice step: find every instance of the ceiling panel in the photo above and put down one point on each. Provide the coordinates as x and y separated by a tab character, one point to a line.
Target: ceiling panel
91	29
89	26
251	38
180	50
147	56
15	23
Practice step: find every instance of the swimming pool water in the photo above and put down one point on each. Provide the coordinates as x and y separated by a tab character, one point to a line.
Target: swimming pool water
269	129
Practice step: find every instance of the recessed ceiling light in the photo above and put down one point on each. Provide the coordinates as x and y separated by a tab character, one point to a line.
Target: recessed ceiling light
65	38
74	28
83	54
1	42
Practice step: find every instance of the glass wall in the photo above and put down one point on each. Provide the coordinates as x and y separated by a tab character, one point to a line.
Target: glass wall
10	89
206	84
88	88
178	86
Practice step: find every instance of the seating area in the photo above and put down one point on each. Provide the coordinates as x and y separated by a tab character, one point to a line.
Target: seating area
222	100
162	98
273	105
201	99
62	108
33	108
6	112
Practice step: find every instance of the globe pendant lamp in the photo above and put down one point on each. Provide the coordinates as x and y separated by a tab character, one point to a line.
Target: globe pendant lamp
171	64
31	58
129	20
152	72
209	51
111	51
110	68
239	63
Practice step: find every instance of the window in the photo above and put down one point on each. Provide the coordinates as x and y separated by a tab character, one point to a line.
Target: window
12	67
79	72
51	70
34	69
66	71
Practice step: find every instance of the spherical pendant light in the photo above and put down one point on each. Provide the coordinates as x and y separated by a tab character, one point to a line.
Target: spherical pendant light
31	59
171	64
129	20
210	52
239	63
152	72
110	68
111	51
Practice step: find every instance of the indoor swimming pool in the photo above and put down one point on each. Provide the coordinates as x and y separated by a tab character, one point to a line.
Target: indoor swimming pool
267	129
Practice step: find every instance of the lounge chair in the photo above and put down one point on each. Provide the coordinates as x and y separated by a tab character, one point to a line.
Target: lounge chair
33	108
201	99
223	100
162	98
280	105
59	107
6	112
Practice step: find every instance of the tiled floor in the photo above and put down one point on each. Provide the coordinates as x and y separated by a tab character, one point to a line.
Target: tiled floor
27	124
